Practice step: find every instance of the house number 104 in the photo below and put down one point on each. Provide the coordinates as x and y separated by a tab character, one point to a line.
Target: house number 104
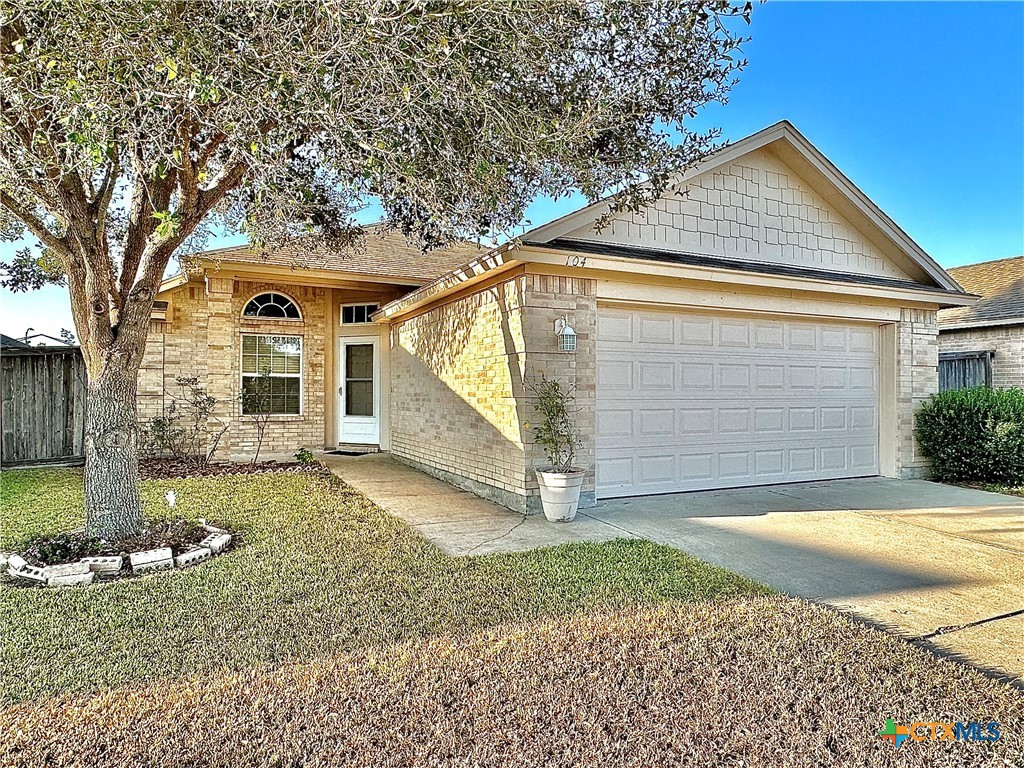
575	261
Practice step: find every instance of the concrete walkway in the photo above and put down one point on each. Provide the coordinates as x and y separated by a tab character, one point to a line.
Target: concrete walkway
913	556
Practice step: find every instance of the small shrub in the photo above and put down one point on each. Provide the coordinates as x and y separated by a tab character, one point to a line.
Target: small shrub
974	435
305	456
183	431
256	406
555	430
63	548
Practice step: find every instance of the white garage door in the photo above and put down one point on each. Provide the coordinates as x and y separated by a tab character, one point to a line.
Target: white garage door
690	401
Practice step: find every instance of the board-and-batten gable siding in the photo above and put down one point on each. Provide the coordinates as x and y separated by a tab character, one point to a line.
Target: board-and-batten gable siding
756	208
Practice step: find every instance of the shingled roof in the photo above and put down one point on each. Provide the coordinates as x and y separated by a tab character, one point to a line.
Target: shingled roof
1001	287
383	253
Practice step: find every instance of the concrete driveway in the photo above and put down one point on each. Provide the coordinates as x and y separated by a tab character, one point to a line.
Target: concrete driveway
939	564
919	558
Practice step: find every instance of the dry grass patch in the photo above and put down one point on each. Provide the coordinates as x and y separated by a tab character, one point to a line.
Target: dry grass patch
754	681
323	570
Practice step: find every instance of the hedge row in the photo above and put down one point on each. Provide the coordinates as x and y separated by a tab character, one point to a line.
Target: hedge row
974	435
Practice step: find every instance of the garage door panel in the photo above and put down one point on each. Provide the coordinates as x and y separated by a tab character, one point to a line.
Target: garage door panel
727	422
657	375
690	401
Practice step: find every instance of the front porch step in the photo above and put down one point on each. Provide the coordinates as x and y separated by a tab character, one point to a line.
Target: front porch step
355	449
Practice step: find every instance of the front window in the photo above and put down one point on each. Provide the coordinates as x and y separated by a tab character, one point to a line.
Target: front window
271	374
271	304
357	314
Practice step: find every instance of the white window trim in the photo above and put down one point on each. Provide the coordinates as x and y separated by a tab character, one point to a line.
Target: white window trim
341	313
265	318
301	376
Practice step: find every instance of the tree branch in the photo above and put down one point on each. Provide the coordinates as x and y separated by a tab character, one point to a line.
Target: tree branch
36	226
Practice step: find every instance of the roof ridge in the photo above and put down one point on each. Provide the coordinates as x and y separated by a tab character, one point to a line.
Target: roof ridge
984	263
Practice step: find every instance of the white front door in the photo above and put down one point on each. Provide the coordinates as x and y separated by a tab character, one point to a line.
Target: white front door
359	393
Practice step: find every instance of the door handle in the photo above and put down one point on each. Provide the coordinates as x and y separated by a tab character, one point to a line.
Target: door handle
341	390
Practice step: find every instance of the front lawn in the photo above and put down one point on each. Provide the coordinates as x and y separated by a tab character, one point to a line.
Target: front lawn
320	570
335	636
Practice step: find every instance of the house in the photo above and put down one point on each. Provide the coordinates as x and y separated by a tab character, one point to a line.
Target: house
763	322
984	343
10	343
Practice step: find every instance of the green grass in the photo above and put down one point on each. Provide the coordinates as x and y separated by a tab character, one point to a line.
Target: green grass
1009	490
336	637
321	570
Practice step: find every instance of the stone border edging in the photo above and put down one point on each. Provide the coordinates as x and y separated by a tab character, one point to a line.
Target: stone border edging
85	571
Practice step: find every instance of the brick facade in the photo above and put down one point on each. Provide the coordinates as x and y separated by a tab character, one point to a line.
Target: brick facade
917	379
1006	341
460	375
456	383
202	338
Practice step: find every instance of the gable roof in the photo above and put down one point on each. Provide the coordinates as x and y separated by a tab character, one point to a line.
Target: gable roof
920	273
384	254
793	148
1000	284
7	342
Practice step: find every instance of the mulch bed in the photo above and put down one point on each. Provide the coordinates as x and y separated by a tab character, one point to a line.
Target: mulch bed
179	469
179	535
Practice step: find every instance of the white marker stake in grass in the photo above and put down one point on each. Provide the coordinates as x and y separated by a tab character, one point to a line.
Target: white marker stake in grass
171	497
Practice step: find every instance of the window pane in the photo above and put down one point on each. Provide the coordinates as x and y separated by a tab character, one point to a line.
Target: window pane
271	305
357	313
277	355
359	398
359	361
289	395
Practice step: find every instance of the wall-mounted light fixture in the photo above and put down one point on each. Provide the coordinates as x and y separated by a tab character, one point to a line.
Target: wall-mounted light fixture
565	334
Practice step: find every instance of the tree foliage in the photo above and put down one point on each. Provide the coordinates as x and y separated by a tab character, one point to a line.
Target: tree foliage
130	127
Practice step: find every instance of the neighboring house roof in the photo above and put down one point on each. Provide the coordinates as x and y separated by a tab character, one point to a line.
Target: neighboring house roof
1000	284
383	253
6	342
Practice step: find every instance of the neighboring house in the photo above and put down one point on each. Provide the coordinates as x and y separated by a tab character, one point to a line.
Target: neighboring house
763	322
8	342
984	343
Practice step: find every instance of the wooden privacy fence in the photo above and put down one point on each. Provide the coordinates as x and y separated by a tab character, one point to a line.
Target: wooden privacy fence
42	417
960	370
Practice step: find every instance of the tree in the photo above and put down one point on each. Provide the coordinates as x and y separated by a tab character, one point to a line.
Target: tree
129	129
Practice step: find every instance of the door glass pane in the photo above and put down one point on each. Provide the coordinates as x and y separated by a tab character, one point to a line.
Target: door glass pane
359	398
359	380
359	361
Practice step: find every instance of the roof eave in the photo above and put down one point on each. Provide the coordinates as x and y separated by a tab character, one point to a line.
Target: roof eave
976	324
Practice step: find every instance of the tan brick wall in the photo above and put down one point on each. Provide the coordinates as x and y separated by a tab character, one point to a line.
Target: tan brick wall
202	338
917	378
1006	341
458	393
456	374
547	298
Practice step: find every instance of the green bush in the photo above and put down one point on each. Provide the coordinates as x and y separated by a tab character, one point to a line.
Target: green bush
974	435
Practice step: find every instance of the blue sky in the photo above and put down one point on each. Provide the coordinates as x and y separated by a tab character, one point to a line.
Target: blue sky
920	104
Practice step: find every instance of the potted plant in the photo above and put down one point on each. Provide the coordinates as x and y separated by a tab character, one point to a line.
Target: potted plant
560	480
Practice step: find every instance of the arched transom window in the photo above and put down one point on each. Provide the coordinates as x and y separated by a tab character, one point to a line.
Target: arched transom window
272	304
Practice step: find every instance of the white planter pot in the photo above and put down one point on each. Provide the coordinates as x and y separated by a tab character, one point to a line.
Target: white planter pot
560	493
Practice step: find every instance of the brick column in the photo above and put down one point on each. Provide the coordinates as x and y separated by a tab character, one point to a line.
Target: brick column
222	354
547	298
917	378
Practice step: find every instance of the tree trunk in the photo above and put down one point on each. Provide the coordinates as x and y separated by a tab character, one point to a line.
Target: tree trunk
113	508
